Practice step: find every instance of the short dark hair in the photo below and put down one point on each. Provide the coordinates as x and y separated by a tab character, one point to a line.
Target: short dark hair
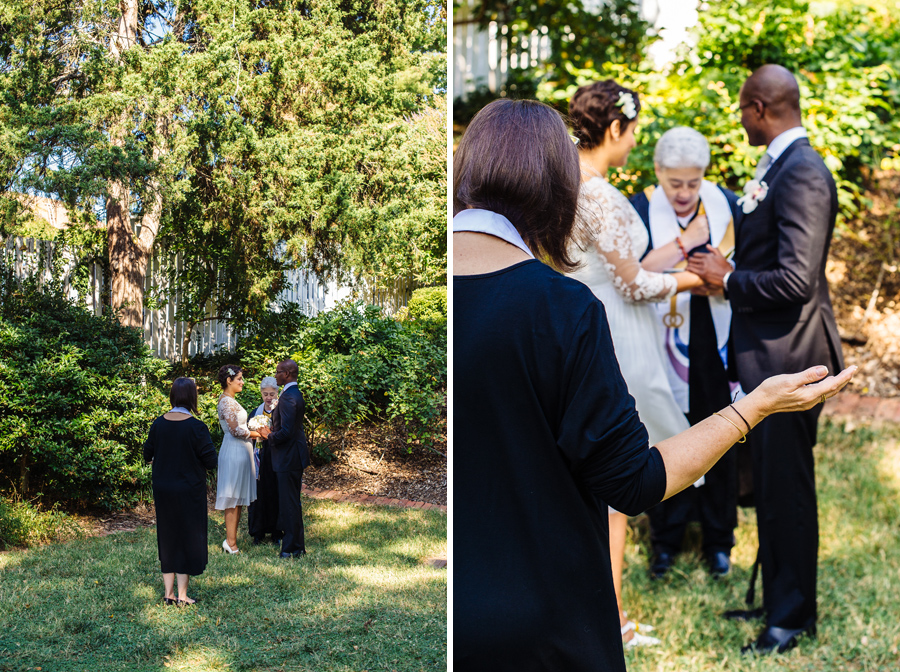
226	372
289	366
593	108
517	159
184	394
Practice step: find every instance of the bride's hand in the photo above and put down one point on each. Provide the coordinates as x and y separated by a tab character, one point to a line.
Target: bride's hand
800	391
696	233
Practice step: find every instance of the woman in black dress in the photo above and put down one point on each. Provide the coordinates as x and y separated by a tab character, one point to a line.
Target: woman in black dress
181	450
542	419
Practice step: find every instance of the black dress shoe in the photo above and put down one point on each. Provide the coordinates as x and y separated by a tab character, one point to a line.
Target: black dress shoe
257	541
661	564
744	614
777	640
718	563
296	554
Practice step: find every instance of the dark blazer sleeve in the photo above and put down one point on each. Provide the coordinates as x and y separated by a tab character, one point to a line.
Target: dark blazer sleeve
204	448
288	413
801	202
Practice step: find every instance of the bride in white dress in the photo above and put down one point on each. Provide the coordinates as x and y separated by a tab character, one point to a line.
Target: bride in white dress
236	481
612	240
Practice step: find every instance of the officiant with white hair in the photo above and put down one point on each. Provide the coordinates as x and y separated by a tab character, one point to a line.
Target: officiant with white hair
262	515
694	327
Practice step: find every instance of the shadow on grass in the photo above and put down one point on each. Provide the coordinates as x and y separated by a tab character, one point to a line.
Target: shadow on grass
361	599
859	575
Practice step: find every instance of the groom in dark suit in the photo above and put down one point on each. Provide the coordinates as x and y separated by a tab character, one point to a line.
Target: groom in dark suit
782	322
290	456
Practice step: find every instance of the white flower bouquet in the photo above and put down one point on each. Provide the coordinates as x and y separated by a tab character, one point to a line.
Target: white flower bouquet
257	422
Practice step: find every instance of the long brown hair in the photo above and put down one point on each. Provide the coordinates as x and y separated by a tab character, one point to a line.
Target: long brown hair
517	159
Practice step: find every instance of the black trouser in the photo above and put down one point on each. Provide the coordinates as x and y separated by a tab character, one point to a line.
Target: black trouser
714	504
784	487
290	511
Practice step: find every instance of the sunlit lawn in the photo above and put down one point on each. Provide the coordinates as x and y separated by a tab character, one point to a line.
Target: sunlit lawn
858	479
363	599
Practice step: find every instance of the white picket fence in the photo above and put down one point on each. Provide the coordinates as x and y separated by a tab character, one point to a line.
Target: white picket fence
164	334
486	57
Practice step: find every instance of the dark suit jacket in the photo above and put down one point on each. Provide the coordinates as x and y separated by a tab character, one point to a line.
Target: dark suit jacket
782	320
287	442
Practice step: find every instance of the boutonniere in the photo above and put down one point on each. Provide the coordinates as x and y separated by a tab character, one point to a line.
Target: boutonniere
754	192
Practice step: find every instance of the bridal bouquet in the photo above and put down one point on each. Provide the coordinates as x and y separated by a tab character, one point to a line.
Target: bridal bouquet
257	422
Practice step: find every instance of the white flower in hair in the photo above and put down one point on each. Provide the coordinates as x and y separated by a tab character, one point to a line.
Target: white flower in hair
626	102
754	192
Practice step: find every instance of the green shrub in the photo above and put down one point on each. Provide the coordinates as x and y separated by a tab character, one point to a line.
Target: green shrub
76	400
429	303
24	524
356	364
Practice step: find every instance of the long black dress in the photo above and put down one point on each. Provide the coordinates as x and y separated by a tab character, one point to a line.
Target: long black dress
545	436
182	451
262	514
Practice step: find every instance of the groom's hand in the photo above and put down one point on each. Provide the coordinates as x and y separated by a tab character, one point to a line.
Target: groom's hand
711	266
264	432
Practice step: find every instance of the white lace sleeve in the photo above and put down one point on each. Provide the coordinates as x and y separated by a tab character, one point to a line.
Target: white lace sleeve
609	214
228	412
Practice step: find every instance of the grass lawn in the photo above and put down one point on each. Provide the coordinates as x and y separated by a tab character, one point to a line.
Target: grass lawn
858	480
362	599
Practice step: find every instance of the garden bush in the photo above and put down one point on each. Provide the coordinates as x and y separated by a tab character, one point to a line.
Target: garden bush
76	400
356	365
25	524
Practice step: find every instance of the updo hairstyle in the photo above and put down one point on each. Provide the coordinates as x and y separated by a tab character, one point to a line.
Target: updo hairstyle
224	374
593	109
517	159
681	147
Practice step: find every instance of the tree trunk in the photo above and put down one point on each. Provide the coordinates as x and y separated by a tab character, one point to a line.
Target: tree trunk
23	476
129	253
186	343
127	261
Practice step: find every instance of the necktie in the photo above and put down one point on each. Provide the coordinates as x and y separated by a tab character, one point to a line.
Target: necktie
762	166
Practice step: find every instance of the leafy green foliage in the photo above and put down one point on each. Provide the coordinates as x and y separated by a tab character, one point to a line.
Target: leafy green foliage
23	523
75	403
271	134
581	34
429	303
356	364
845	56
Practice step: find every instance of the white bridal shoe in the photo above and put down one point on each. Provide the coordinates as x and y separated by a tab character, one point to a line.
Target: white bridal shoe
228	549
638	639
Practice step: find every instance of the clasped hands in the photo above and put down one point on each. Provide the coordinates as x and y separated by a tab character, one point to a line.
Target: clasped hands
711	266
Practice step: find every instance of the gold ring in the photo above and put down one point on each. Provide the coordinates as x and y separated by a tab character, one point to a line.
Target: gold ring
823	398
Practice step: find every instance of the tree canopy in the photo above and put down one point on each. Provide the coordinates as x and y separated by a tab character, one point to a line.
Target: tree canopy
248	135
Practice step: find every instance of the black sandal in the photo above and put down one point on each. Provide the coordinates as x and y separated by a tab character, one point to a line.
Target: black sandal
169	601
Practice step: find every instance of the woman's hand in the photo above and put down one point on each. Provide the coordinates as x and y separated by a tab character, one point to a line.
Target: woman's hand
800	391
696	233
687	280
264	432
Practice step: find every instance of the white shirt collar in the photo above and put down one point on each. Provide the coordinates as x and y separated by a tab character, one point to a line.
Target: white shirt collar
783	141
287	385
491	223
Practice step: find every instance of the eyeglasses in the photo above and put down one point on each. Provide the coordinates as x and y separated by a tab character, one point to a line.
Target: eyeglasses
575	140
752	102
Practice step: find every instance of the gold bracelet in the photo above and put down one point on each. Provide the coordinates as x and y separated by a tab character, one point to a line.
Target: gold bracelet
743	438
